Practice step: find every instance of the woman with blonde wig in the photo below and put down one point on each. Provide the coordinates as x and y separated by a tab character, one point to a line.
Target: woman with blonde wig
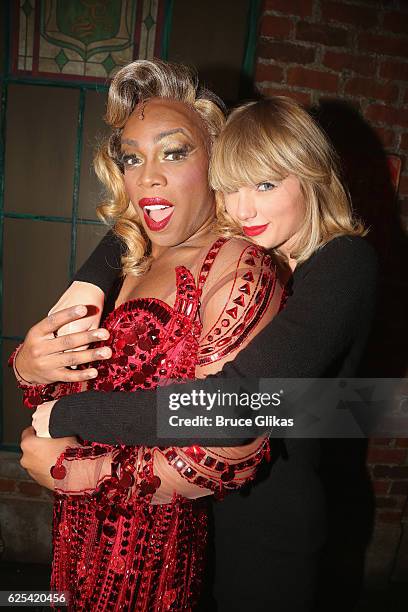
131	521
277	184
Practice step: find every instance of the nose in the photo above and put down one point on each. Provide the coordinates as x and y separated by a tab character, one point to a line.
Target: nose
151	175
245	206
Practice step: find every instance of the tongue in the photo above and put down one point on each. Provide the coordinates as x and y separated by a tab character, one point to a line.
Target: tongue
159	215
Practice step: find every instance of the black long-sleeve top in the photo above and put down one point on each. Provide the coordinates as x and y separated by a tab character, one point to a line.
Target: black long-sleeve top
320	332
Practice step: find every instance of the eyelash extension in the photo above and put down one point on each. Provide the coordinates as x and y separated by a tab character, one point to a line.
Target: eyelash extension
125	157
179	151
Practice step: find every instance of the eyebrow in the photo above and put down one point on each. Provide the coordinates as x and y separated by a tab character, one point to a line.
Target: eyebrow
169	133
157	138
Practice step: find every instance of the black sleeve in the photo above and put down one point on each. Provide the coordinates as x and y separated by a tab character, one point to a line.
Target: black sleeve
332	305
103	266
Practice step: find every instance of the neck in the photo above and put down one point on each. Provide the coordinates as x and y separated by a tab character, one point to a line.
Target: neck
200	238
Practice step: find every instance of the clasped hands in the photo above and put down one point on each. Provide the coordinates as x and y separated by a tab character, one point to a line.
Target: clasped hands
51	347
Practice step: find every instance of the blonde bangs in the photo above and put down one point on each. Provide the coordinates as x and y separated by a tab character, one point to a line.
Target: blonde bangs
270	140
242	155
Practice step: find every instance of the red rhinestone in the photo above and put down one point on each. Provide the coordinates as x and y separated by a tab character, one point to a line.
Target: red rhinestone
117	564
239	300
245	288
222	342
58	472
248	276
126	480
156	482
195	452
228	475
232	312
109	531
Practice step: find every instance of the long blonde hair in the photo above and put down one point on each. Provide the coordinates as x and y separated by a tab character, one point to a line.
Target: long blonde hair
135	83
271	139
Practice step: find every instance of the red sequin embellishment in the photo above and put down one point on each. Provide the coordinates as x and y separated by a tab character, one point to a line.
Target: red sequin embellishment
232	312
58	472
113	548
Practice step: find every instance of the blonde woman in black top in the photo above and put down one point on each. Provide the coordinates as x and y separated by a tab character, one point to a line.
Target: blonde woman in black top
277	182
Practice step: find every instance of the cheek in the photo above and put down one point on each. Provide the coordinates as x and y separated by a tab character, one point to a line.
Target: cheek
129	183
230	204
286	212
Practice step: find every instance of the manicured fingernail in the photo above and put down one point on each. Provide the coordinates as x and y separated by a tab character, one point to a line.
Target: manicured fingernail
80	310
92	373
103	352
103	335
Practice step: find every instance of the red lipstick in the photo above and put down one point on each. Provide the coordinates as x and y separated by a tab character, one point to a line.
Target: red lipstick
254	230
150	204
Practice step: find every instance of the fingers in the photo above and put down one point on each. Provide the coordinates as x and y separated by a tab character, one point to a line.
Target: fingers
75	341
75	358
54	321
28	431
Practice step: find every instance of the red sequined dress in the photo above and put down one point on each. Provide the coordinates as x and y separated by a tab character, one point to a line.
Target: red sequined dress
130	523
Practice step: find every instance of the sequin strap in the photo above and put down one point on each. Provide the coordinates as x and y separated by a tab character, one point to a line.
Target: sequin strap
188	294
252	290
208	262
216	469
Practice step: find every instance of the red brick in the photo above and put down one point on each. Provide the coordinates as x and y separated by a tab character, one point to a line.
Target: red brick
396	22
302	8
387	138
347	61
346	13
381	487
380	441
325	35
276	27
395	471
371	88
386	114
6	485
386	456
394	70
404	141
403	186
300	96
402	442
285	52
389	517
399	487
386	45
30	489
313	79
268	72
386	502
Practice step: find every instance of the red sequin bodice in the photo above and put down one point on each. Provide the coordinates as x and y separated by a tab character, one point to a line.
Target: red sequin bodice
121	541
113	549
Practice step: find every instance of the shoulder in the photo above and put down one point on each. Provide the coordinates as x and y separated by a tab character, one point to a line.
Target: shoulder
344	257
349	249
238	253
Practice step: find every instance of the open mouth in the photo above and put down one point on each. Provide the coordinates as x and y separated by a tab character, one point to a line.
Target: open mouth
157	212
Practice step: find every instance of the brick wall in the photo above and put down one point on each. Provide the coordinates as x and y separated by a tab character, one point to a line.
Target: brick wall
348	60
355	50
